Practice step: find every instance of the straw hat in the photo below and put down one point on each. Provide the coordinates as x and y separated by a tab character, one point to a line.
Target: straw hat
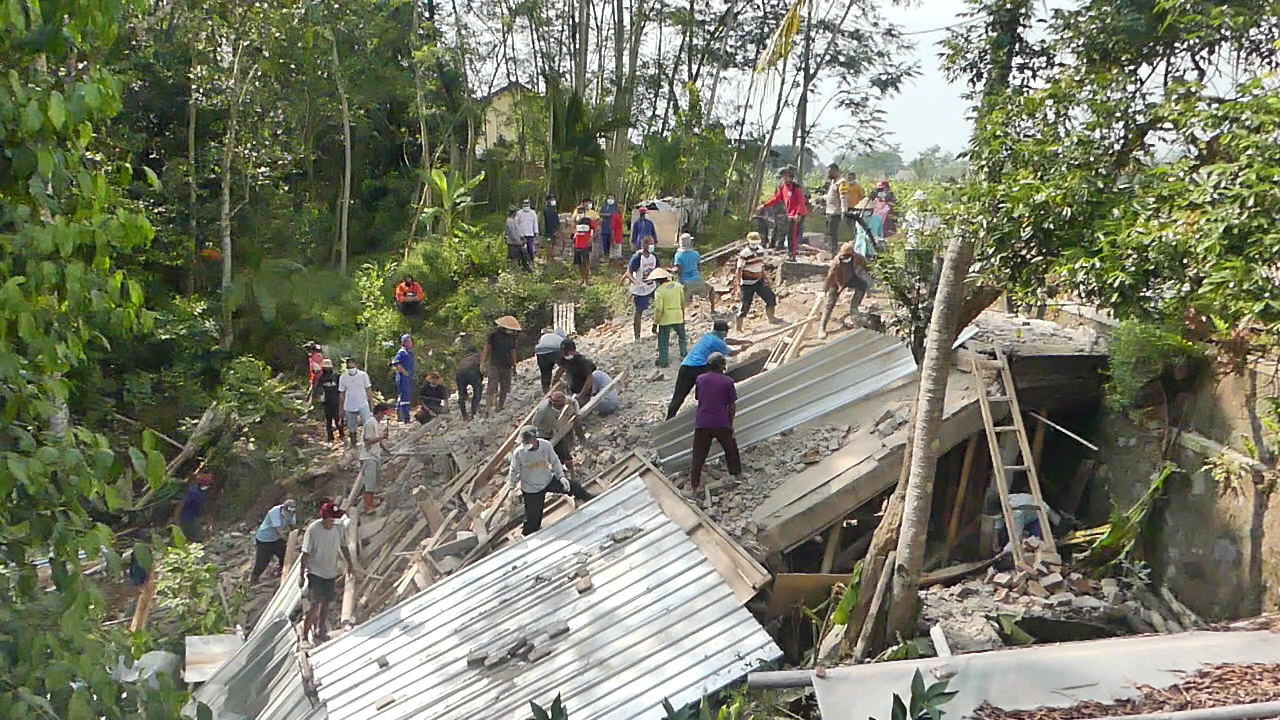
507	322
659	274
326	363
847	250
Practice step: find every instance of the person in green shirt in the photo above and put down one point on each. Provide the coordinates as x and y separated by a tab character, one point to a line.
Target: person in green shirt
668	314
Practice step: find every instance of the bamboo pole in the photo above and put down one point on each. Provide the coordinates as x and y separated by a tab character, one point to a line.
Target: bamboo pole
877	601
290	553
966	470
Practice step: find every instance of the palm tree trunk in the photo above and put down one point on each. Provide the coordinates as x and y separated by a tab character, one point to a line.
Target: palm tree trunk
192	224
344	206
934	372
580	57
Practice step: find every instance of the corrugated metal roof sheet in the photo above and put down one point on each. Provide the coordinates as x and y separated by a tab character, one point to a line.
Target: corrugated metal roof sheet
659	623
858	365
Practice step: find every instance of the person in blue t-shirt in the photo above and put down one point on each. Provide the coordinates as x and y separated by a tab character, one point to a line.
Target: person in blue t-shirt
695	363
688	260
403	364
273	537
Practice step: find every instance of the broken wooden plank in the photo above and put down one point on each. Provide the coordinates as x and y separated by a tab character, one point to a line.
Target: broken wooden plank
873	612
1064	431
966	469
290	552
955	572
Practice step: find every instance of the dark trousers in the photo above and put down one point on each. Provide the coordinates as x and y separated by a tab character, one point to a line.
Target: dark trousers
702	444
686	379
263	552
472	381
518	253
833	232
546	366
332	420
535	503
751	292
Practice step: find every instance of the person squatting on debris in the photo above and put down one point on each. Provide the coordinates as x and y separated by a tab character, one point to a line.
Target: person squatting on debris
688	262
356	394
611	401
642	263
537	470
273	537
848	270
695	363
403	363
547	351
717	404
546	420
373	440
578	369
527	225
668	315
470	381
433	395
193	507
790	196
409	296
499	357
752	281
331	399
322	542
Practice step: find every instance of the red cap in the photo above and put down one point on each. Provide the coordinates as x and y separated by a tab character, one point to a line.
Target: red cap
204	479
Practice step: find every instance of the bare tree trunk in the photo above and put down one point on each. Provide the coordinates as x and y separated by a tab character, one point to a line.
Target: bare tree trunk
344	205
800	135
422	189
934	372
192	224
224	211
582	50
757	177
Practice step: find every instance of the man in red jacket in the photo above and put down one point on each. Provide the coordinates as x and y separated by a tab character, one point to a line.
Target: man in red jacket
791	196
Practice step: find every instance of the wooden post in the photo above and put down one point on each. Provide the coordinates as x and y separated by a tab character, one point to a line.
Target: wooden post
877	601
798	338
966	470
146	597
349	599
290	553
833	547
1037	441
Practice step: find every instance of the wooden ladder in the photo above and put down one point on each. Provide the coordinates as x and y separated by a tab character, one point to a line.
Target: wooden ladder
1027	463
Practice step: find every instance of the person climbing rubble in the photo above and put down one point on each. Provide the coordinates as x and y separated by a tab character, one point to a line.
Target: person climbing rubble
547	352
403	364
578	369
193	507
433	395
272	537
469	379
322	543
537	470
717	405
668	315
355	391
373	441
547	421
753	283
695	363
331	400
642	263
848	270
499	357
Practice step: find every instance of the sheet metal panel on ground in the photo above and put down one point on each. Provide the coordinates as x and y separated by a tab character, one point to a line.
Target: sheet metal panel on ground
1042	675
860	364
659	623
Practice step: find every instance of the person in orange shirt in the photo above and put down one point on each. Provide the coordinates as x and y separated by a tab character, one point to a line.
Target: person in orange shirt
409	296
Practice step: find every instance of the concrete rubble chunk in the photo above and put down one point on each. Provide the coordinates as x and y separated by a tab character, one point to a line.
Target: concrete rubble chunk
1087	602
382	661
1062	599
1052	581
538	653
1082	585
449	564
477	658
580	571
464	543
583	585
1002	579
557	628
1048	558
1036	589
385	702
625	534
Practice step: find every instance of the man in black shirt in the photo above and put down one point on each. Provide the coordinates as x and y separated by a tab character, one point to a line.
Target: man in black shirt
499	357
433	395
470	381
578	368
327	382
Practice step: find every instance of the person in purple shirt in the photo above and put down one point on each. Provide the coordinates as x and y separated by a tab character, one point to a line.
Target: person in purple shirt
193	507
717	403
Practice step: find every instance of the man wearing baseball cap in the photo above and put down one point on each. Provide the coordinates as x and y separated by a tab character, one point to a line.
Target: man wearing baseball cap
642	229
537	470
323	542
273	537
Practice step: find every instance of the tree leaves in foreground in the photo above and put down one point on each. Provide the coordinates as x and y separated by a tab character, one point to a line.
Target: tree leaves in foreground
62	229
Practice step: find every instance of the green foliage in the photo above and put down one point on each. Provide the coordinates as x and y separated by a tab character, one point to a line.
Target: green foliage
556	711
1011	632
1116	547
188	586
1139	354
926	701
849	600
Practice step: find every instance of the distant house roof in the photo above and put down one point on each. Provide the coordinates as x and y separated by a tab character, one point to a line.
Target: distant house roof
513	86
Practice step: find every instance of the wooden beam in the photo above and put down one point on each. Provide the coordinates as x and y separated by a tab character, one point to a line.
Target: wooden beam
1064	431
966	470
290	553
146	597
877	601
1078	483
833	547
1037	442
349	600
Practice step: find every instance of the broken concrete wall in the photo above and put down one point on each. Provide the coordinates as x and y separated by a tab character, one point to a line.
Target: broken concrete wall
1217	544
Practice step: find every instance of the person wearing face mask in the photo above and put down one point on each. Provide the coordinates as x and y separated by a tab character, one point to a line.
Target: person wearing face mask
537	470
328	384
790	196
586	222
848	270
607	212
642	263
527	226
642	229
403	364
550	225
516	251
355	392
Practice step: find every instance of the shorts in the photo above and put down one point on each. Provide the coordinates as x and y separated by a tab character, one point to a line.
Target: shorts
320	589
642	301
581	256
369	470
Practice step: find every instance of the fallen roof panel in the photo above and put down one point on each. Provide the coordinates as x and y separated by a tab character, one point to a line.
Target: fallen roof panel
659	622
858	365
1042	675
262	680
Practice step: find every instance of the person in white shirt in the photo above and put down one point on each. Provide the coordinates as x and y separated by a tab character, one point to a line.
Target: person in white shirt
355	393
373	440
527	226
836	204
537	470
322	543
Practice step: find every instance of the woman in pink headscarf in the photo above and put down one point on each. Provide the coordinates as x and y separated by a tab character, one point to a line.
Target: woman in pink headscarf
882	216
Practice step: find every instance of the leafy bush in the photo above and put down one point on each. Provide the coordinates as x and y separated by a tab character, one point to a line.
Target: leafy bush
926	701
188	585
1141	353
556	711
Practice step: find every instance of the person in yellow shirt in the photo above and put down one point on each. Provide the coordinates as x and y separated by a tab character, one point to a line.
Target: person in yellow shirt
853	195
668	314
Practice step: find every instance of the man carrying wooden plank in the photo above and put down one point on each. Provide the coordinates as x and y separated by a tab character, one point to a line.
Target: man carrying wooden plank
321	545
